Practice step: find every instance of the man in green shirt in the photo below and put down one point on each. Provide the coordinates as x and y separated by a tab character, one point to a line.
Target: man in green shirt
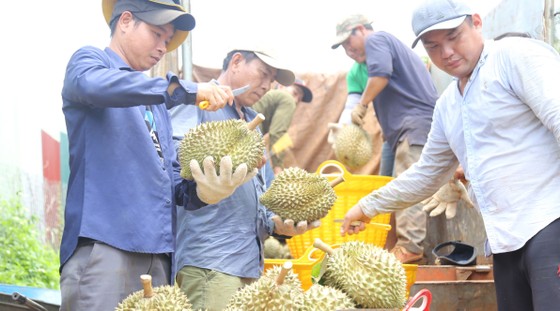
278	107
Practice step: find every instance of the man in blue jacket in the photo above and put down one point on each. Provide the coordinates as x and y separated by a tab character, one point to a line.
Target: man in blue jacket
124	179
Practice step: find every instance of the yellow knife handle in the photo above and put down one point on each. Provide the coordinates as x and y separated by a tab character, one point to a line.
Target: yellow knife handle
204	104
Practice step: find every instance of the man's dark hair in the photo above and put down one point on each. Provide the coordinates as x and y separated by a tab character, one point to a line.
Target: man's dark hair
113	23
248	55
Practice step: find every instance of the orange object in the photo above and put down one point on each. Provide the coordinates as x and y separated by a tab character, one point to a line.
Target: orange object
301	266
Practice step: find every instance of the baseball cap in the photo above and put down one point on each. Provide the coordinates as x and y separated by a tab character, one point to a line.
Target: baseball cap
284	76
307	94
345	27
154	12
438	14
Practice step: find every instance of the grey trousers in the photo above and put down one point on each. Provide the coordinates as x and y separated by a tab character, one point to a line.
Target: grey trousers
411	222
98	277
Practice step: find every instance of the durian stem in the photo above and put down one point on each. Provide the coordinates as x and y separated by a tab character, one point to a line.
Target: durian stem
287	266
147	283
255	122
337	181
323	246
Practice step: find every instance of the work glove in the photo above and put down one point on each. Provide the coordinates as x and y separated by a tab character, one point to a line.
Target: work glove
287	227
446	198
333	131
212	188
358	114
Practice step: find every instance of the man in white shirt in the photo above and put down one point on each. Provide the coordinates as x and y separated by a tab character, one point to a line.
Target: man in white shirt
500	120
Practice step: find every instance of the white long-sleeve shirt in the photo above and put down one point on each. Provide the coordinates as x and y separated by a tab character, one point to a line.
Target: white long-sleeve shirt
505	132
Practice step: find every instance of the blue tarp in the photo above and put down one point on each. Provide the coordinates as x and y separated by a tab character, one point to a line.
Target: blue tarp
50	296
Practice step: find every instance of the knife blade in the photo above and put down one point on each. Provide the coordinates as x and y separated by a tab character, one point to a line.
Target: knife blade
204	104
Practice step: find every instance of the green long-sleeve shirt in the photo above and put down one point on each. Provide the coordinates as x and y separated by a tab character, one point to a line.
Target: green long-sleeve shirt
278	107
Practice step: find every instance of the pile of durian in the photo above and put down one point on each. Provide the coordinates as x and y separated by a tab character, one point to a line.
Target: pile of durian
279	289
371	276
236	138
298	195
355	275
161	298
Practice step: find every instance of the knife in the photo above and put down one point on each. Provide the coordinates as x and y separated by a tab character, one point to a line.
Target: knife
204	104
357	223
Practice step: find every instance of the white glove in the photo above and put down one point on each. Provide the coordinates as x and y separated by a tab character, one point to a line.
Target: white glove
358	114
288	228
212	188
446	198
333	131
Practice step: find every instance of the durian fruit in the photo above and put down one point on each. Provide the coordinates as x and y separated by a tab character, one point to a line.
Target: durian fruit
269	294
352	146
370	275
325	298
273	248
289	277
161	298
298	195
236	138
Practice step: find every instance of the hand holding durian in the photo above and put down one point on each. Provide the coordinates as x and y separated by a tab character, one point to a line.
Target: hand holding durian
289	228
234	143
358	114
212	188
299	198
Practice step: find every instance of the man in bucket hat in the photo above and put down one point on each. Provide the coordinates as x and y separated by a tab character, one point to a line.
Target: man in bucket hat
403	96
124	180
500	119
278	106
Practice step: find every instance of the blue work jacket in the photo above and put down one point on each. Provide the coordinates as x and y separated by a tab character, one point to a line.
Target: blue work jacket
120	192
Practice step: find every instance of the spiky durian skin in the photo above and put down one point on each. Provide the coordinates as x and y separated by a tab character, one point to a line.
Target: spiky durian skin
370	275
166	298
298	195
353	146
218	139
265	295
291	278
325	298
272	248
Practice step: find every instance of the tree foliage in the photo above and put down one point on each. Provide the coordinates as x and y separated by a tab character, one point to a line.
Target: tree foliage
24	259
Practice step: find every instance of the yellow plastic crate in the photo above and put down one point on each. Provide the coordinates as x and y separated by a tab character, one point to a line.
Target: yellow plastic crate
348	194
303	266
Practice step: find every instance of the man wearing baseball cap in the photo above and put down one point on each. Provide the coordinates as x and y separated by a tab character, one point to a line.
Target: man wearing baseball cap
403	96
500	120
220	245
124	183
